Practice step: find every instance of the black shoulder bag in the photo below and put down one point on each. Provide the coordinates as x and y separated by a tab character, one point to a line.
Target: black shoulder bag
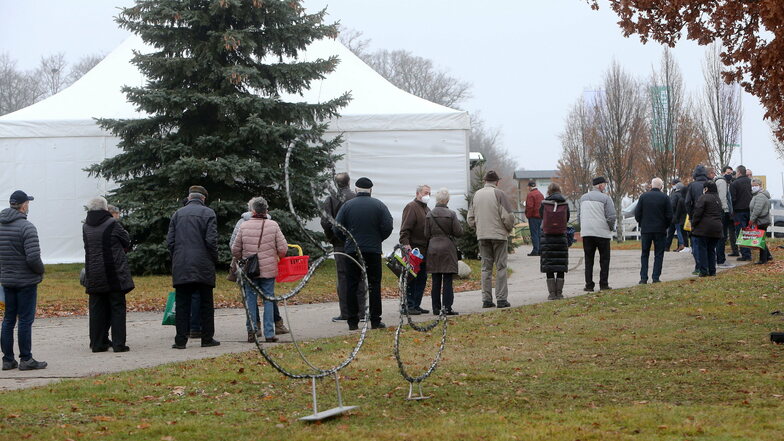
251	267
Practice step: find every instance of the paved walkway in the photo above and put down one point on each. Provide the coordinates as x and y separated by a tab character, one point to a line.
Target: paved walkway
63	342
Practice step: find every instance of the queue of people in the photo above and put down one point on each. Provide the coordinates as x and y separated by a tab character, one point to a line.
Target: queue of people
703	215
356	224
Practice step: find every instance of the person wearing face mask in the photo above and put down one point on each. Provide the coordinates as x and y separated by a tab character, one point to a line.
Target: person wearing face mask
412	235
707	229
21	270
533	202
760	214
723	185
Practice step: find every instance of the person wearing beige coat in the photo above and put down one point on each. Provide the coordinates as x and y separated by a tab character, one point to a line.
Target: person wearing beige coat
263	237
491	214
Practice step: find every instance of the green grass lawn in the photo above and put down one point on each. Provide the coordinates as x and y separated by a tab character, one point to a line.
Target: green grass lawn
60	293
683	360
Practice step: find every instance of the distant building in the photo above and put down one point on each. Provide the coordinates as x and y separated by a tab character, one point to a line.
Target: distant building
543	178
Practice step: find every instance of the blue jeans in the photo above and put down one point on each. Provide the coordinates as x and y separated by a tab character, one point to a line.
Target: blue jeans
416	288
535	224
705	248
741	221
659	240
19	302
679	232
267	286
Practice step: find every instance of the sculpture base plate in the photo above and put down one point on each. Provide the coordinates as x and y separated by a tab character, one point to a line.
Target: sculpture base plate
327	413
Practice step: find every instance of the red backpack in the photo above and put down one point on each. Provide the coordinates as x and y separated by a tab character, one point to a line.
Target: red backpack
554	219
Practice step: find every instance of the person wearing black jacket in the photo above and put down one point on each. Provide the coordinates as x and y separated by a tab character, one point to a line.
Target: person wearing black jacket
679	215
331	206
672	230
554	246
701	175
740	191
707	229
654	215
369	222
107	276
193	243
21	270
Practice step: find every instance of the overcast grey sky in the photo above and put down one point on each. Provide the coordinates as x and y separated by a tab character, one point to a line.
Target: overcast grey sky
528	61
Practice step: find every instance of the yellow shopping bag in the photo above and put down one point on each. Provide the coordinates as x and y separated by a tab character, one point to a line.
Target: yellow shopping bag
687	224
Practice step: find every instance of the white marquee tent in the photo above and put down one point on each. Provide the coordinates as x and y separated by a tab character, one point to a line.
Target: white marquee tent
396	139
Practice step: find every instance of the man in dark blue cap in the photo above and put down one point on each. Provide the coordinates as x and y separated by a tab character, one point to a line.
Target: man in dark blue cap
21	270
369	222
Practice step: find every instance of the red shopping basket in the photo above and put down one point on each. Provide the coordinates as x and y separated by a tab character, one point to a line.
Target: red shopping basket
292	268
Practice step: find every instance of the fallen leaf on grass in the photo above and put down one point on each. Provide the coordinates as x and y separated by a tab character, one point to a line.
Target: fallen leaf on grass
143	426
103	418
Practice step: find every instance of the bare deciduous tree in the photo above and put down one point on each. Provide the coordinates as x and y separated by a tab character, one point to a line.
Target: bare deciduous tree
576	165
419	77
720	114
17	89
52	73
81	67
669	111
620	136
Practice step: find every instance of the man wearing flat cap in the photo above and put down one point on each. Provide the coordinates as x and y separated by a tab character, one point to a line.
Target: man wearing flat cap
21	270
597	222
492	216
193	244
369	222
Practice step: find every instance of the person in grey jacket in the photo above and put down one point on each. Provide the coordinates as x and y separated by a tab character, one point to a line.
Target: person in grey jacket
597	222
369	222
107	276
193	244
759	209
21	270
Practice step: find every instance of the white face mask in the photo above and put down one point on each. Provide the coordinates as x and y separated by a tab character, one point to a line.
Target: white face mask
755	189
426	198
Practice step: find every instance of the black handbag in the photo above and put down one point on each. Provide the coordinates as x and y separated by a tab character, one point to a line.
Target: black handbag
251	267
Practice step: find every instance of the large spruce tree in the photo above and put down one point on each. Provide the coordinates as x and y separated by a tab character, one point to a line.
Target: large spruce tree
215	116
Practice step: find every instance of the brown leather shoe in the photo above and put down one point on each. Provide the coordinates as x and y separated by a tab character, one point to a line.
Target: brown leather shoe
280	328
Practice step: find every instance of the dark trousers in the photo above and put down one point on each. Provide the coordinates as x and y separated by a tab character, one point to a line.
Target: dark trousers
342	264
764	255
195	312
741	219
183	310
19	302
658	240
442	291
373	269
552	275
590	245
705	253
535	224
107	311
415	289
670	236
729	235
